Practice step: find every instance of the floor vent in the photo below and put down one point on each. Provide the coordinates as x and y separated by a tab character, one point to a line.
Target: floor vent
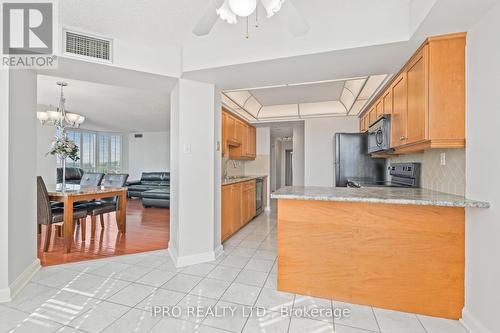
87	46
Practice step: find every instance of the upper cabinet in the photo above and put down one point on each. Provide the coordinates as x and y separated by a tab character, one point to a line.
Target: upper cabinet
238	137
426	99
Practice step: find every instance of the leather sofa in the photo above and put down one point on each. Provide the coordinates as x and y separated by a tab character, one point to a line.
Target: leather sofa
73	175
156	198
153	188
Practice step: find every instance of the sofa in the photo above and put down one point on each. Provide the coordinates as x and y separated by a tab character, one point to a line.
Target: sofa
153	188
73	175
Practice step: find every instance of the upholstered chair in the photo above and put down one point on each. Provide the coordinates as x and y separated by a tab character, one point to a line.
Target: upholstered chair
106	205
48	216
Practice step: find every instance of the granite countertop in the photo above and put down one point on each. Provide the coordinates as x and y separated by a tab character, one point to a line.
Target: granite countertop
242	179
387	195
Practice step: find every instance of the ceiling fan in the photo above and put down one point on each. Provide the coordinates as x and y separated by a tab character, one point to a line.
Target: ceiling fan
230	10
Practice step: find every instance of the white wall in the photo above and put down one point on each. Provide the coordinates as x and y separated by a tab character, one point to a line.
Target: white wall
18	179
192	200
4	185
482	286
148	154
298	155
318	147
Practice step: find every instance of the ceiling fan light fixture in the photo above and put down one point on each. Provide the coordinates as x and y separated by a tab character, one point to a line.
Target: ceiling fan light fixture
226	14
272	6
242	8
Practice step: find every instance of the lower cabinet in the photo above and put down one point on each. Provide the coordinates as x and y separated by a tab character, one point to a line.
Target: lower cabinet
238	206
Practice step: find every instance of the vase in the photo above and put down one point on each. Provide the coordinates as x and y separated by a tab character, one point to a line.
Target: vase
63	160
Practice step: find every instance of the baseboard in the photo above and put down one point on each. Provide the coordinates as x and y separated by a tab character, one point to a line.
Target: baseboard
193	259
7	294
472	324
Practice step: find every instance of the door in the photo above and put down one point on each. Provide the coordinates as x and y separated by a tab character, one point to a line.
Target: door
417	102
399	110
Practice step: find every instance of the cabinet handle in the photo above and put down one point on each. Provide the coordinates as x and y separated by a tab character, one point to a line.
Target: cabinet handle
402	138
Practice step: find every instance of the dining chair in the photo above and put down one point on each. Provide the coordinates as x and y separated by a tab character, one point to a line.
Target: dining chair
106	205
48	215
91	179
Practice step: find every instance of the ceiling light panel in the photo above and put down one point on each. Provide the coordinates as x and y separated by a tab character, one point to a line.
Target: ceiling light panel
228	102
355	86
371	86
240	97
252	106
357	107
321	108
279	111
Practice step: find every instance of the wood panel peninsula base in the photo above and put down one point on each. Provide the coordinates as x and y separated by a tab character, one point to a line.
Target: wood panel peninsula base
396	256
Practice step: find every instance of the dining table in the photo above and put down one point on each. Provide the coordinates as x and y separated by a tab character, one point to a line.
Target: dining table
75	193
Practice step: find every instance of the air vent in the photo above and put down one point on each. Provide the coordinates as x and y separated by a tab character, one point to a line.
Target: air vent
87	46
137	135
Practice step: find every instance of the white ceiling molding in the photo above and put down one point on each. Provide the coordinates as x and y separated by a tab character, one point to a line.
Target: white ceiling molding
332	98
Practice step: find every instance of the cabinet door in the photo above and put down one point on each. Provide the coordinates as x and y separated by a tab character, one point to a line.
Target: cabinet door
252	141
227	218
237	194
231	128
379	108
388	102
372	116
224	133
400	107
417	98
361	124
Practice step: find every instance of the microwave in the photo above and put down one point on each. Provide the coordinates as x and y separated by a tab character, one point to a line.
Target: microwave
379	135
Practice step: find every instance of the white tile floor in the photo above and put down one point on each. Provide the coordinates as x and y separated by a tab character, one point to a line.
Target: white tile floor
117	295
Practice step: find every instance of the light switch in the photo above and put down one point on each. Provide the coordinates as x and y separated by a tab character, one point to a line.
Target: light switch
443	158
187	149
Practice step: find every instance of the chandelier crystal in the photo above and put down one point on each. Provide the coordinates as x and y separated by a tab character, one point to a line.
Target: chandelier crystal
59	117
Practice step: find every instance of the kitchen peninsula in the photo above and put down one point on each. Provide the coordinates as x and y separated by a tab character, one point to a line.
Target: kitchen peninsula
394	248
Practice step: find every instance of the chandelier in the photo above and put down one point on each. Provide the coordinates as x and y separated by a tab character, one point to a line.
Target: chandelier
231	9
59	117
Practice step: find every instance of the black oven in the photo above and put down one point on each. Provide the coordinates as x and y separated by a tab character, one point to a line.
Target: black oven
379	135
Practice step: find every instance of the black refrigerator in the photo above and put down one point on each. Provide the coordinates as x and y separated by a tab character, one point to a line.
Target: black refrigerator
352	161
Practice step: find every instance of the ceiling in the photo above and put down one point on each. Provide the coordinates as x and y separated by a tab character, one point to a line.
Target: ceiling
307	100
109	107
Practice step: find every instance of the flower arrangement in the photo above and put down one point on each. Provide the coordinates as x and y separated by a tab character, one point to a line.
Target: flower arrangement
64	148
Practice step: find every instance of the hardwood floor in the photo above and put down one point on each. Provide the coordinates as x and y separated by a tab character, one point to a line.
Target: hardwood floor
147	230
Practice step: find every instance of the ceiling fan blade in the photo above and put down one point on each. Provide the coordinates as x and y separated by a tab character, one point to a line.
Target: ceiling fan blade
293	20
207	21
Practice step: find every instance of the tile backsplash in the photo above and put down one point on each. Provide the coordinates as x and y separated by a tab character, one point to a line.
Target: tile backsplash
449	178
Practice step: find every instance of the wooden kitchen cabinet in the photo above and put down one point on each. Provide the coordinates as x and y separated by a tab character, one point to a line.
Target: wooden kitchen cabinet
363	125
238	137
238	206
399	111
372	116
388	102
379	108
416	77
427	98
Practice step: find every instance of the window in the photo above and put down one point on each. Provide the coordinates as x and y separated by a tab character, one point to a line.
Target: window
99	152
